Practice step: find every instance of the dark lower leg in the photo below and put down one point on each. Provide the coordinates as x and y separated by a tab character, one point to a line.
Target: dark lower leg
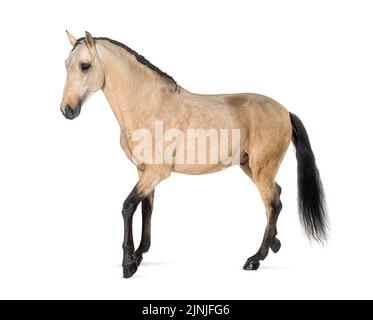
147	209
276	244
129	208
269	239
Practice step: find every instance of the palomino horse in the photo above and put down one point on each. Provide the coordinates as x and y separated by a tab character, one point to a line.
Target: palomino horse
140	94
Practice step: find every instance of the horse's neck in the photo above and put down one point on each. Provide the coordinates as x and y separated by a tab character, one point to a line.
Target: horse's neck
129	87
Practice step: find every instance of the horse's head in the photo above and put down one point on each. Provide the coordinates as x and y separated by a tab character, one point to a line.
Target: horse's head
85	75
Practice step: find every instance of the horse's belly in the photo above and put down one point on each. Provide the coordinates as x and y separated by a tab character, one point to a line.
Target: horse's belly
197	169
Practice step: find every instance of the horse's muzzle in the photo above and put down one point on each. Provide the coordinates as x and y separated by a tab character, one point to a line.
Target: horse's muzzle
71	113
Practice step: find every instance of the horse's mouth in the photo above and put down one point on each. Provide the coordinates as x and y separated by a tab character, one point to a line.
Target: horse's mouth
71	113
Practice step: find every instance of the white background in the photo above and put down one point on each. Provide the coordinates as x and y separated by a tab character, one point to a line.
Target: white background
62	183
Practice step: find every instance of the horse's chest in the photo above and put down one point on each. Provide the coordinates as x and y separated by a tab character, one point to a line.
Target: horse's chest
125	146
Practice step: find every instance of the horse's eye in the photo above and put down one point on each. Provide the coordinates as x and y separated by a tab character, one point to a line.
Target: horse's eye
85	66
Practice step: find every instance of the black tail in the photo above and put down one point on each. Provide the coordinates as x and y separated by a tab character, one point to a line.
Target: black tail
311	198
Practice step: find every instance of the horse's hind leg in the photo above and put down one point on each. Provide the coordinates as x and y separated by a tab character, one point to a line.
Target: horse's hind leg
275	244
147	209
271	198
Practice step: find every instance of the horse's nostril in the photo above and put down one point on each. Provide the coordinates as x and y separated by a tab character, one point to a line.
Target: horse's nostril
69	110
71	113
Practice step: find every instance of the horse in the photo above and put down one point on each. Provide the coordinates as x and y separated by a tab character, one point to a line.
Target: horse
141	94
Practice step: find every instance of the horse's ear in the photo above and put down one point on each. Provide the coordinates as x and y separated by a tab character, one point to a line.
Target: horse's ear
89	40
71	38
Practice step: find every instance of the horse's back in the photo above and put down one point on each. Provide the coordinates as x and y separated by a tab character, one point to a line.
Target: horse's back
261	119
256	113
264	122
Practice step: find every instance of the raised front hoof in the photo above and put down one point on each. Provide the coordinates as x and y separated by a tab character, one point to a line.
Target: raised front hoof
129	269
275	245
251	265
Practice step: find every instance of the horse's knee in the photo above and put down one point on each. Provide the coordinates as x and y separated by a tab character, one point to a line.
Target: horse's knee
128	209
131	203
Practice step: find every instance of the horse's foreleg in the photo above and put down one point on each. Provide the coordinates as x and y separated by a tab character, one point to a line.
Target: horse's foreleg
147	209
149	178
129	208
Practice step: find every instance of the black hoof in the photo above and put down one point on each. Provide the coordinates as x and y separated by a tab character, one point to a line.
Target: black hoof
138	259
129	269
275	245
251	265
